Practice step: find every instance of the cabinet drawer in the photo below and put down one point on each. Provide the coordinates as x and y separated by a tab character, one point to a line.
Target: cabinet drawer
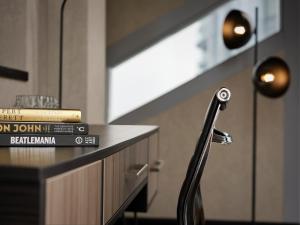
75	197
123	172
154	171
134	166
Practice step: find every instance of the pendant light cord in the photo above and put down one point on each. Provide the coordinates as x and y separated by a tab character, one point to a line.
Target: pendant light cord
61	45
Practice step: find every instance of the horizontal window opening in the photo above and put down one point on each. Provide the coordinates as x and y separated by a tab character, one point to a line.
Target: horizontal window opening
182	56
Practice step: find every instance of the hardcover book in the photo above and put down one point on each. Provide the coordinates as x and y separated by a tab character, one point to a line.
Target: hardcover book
31	140
44	115
43	128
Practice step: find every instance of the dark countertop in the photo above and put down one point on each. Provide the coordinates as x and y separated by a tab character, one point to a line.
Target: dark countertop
37	163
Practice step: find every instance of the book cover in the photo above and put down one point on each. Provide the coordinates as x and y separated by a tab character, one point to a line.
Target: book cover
43	128
42	115
32	140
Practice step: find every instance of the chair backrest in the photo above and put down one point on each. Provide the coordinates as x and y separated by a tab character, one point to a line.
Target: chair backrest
190	208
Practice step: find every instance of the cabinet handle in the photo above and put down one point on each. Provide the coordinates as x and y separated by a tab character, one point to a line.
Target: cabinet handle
157	166
144	167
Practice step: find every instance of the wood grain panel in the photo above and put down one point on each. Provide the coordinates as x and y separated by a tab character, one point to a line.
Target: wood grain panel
116	200
74	198
108	188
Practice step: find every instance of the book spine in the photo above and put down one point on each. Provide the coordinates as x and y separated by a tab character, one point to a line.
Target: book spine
43	128
12	140
45	115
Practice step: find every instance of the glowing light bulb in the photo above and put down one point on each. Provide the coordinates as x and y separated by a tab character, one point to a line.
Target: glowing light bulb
268	77
240	30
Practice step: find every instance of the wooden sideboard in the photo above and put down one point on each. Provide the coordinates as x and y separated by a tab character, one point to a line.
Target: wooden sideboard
80	185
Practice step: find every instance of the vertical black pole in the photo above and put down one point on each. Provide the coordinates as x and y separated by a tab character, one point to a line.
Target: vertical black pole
254	128
61	37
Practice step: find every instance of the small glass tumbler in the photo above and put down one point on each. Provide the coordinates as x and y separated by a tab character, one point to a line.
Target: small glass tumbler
36	101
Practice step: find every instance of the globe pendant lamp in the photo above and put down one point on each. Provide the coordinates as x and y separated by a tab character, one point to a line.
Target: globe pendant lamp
272	77
237	29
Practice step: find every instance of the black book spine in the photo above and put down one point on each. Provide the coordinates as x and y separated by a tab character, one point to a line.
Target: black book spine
31	140
43	128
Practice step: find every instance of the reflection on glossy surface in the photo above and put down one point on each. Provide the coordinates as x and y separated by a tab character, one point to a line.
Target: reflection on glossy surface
268	77
43	156
183	56
31	155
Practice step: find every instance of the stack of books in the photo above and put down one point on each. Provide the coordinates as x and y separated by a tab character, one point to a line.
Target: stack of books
44	127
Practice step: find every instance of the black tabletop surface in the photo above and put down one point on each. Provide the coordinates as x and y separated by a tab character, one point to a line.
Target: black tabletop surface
42	162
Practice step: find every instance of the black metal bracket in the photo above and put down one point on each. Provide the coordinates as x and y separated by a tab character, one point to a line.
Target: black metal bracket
13	73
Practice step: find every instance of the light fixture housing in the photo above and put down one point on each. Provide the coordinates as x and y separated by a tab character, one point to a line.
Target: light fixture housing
237	29
272	77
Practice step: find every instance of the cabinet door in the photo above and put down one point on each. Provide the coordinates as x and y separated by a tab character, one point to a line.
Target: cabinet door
154	167
124	171
135	167
74	198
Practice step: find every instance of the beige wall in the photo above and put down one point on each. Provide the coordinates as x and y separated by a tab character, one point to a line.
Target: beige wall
75	55
96	64
124	17
270	158
30	41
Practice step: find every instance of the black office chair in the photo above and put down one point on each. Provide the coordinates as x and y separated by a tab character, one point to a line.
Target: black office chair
190	207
